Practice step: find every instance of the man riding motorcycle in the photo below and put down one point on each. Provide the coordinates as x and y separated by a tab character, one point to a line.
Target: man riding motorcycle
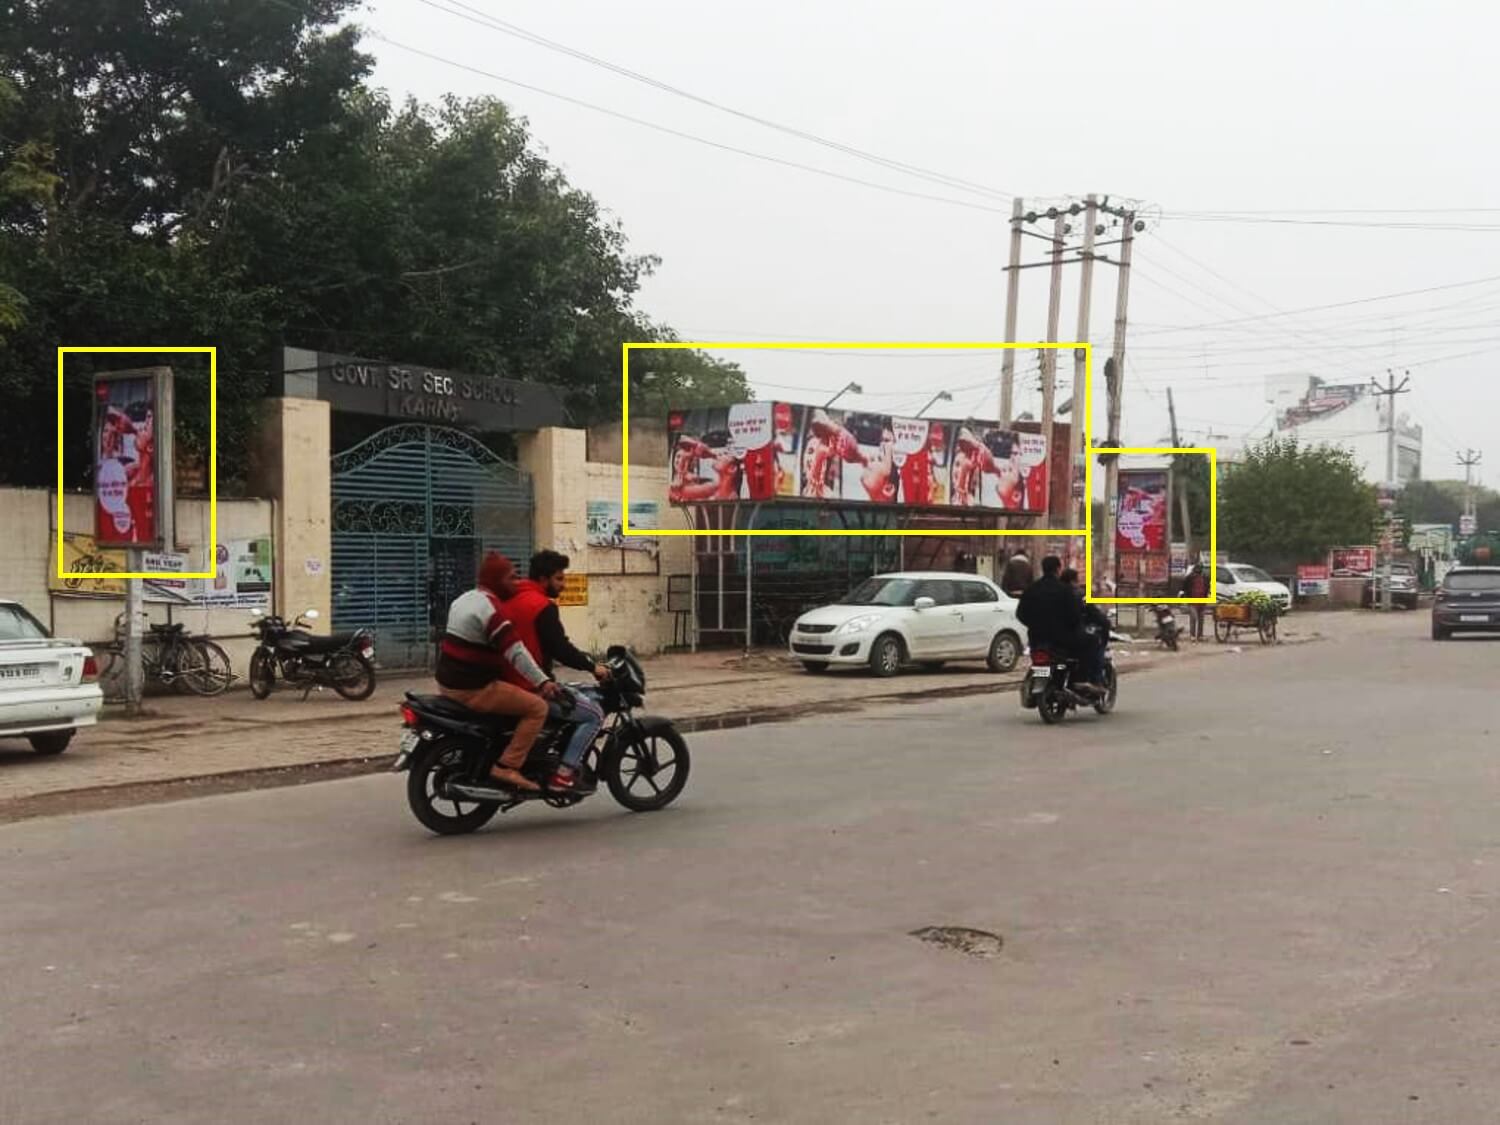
1053	616
533	609
1096	627
483	664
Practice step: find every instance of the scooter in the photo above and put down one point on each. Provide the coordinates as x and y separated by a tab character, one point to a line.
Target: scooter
1167	631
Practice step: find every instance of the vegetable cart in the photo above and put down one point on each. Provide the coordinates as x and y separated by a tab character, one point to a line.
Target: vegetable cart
1230	618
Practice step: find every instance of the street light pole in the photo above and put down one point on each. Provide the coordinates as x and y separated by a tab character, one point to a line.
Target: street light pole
848	388
941	396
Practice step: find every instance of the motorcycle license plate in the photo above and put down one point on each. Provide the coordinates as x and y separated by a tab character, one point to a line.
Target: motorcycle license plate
1042	673
409	742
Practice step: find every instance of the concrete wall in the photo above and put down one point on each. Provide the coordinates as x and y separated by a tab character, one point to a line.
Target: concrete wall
648	442
290	464
29	519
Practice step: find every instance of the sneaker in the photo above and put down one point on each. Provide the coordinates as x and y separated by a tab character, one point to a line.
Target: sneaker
569	780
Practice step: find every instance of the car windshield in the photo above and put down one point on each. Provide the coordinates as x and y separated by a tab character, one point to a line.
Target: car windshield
882	591
1250	574
1474	580
18	625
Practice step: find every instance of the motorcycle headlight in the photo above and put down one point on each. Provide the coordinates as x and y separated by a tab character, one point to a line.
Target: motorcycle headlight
859	624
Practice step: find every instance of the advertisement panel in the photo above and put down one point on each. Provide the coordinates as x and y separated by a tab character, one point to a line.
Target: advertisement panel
83	556
764	451
126	488
605	528
1143	551
1312	581
1351	562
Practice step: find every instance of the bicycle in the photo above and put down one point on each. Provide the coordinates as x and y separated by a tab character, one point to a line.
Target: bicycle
170	656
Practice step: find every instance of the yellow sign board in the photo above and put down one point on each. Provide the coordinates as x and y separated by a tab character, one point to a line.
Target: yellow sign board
83	558
575	590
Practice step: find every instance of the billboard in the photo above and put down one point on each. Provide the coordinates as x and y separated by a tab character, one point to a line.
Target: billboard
127	492
779	450
1351	562
1142	545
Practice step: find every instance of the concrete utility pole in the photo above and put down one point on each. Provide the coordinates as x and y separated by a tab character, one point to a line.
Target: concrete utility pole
1049	355
1116	370
1076	452
1469	459
1012	310
1182	492
1389	393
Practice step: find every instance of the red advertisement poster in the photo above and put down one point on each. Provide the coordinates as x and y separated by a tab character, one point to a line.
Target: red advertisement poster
1141	518
124	462
1351	562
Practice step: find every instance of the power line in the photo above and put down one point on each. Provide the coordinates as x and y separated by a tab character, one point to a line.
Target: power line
483	19
668	130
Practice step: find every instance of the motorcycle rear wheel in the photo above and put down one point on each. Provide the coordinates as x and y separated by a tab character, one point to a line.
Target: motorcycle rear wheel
352	675
1053	707
425	785
634	774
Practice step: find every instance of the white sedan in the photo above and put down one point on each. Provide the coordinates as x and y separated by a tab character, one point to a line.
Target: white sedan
924	618
48	688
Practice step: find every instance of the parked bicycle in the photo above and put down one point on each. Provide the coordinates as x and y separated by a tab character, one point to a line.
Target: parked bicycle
170	656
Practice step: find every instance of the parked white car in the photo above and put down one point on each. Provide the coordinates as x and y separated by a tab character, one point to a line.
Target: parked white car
925	618
1235	579
48	688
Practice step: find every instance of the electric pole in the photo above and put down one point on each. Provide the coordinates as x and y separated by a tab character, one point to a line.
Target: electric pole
1049	355
1115	377
1182	491
1469	459
1389	393
1012	308
1076	452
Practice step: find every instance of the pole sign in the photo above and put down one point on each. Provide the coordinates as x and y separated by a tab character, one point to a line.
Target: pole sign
132	457
1143	500
1467	525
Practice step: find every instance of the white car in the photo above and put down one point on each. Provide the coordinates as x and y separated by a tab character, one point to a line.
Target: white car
925	618
1235	579
48	688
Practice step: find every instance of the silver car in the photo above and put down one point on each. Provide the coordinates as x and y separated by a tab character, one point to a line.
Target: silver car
48	687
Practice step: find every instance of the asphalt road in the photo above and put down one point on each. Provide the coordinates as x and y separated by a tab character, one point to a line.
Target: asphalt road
1263	891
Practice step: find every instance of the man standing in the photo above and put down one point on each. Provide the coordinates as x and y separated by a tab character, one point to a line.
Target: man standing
533	608
1195	585
480	652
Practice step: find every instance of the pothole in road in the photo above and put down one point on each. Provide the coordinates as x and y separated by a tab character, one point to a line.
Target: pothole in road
974	943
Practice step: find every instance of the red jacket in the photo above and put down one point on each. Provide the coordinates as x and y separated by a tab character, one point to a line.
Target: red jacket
523	610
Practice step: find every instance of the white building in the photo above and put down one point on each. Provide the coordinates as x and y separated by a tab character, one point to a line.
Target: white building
1351	416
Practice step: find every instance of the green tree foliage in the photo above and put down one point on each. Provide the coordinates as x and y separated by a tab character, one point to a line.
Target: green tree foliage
220	172
1190	471
1288	503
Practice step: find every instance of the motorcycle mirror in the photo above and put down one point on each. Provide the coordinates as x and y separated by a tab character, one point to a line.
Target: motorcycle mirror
923	603
310	614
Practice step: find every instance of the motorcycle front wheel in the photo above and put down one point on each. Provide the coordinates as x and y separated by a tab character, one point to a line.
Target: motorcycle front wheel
1111	691
426	792
353	676
262	674
649	771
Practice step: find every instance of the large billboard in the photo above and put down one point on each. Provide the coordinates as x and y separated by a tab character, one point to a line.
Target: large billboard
781	450
126	468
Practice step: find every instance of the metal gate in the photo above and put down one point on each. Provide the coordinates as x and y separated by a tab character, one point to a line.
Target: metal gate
414	509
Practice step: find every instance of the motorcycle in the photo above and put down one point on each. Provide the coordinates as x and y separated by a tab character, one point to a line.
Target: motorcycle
1167	630
447	752
1050	686
342	661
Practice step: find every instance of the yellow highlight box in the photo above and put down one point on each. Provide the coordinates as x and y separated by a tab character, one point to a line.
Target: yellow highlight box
213	458
835	345
1213	521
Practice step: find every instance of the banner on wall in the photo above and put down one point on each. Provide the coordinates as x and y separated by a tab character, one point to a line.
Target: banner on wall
771	450
1312	581
604	528
83	555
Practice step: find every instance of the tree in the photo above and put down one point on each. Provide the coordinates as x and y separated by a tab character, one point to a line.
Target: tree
1190	471
220	172
1288	503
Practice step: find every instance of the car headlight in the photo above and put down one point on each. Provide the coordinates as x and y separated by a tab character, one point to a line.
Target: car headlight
859	624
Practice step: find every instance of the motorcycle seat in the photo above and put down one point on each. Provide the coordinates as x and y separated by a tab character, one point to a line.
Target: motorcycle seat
312	643
442	708
167	630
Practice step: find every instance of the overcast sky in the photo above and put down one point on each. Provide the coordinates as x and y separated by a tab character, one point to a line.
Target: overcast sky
1314	112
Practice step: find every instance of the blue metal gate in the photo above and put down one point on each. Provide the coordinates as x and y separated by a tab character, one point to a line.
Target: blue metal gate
414	509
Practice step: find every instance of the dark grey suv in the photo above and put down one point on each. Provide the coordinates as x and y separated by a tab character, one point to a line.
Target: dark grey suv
1468	601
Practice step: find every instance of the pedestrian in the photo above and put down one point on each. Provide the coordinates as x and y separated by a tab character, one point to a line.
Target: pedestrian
1195	585
1017	575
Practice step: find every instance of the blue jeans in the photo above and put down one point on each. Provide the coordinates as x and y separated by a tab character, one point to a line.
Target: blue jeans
586	713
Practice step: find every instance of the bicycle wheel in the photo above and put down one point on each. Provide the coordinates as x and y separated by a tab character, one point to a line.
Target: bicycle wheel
210	673
178	665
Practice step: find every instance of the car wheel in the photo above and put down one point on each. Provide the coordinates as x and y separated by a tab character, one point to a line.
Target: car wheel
816	667
885	655
51	742
1005	652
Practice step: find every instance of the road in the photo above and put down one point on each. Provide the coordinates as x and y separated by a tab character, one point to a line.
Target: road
1264	890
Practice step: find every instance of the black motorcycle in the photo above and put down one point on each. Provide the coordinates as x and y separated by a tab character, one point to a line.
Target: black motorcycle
1052	686
342	661
1167	630
449	750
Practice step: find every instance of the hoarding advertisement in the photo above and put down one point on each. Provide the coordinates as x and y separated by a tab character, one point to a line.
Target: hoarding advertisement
762	451
125	464
1142	546
1351	562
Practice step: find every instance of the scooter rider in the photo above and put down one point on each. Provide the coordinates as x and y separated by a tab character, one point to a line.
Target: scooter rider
533	609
